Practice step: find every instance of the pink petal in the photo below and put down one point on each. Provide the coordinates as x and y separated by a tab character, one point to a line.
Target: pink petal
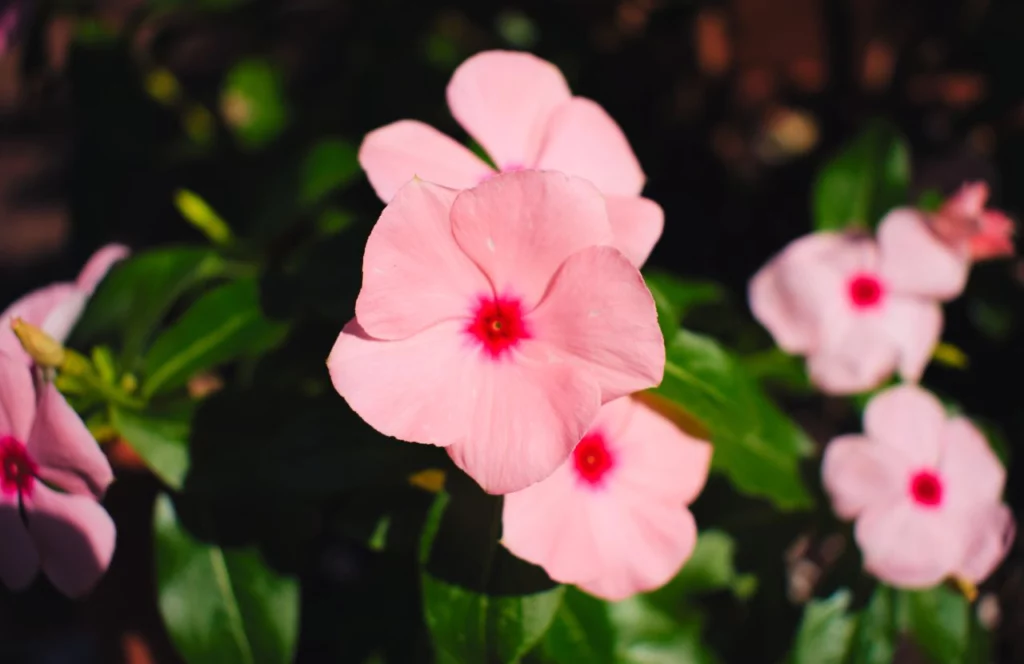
992	535
857	361
19	561
909	420
599	314
995	239
973	473
414	274
66	452
17	398
520	227
969	201
915	326
859	473
396	153
907	546
75	537
637	224
504	99
915	261
99	264
583	140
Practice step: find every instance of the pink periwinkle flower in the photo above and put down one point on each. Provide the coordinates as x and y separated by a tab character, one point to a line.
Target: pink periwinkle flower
496	322
56	308
857	307
613	519
965	223
43	443
925	490
520	109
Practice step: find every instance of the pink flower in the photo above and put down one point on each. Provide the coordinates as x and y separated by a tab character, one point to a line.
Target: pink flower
56	308
925	490
520	109
857	308
493	322
43	442
964	223
613	518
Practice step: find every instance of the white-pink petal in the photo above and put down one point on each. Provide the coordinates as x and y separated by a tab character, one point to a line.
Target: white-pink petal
974	473
908	420
858	472
909	546
637	224
915	261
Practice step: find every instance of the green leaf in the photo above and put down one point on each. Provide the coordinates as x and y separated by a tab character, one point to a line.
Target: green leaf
138	293
221	605
675	297
332	163
222	325
253	102
161	440
939	622
874	641
199	213
756	446
825	631
864	181
930	200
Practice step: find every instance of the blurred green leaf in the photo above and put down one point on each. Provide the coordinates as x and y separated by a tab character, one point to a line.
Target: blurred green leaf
756	446
221	605
778	367
199	213
930	200
253	102
825	632
938	620
161	440
711	567
865	180
332	163
222	325
874	640
675	297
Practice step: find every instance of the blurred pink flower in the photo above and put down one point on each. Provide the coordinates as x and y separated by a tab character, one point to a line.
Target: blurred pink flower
613	519
493	322
859	308
925	490
964	223
56	308
520	109
44	442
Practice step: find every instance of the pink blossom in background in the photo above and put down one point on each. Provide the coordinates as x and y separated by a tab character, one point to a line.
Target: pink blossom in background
56	308
613	519
857	307
67	534
495	322
965	224
520	109
925	490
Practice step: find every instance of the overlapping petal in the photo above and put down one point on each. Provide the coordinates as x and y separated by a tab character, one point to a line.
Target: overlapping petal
915	261
637	224
859	473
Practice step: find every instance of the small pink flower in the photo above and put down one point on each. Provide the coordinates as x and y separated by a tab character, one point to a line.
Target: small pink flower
493	322
43	442
964	223
857	308
613	519
56	308
520	109
925	491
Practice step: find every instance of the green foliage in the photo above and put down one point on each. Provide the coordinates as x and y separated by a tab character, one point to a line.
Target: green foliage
825	631
253	102
161	440
675	297
330	164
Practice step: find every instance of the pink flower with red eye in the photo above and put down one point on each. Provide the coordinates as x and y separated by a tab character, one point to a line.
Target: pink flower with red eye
964	223
520	109
495	322
613	519
856	307
925	490
66	533
56	308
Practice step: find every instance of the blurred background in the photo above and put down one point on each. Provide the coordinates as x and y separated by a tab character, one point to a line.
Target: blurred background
108	109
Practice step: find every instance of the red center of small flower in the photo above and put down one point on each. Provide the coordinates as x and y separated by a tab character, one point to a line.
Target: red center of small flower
926	488
17	469
498	325
592	459
866	291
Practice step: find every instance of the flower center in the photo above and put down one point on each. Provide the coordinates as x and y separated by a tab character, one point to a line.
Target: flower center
866	291
498	325
592	459
926	488
17	469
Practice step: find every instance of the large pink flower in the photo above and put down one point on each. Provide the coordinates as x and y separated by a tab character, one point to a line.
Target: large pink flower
493	322
56	308
965	224
520	109
857	308
613	518
925	490
43	443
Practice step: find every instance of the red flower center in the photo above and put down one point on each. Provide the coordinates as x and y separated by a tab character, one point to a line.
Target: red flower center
926	488
592	459
866	291
498	325
17	469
